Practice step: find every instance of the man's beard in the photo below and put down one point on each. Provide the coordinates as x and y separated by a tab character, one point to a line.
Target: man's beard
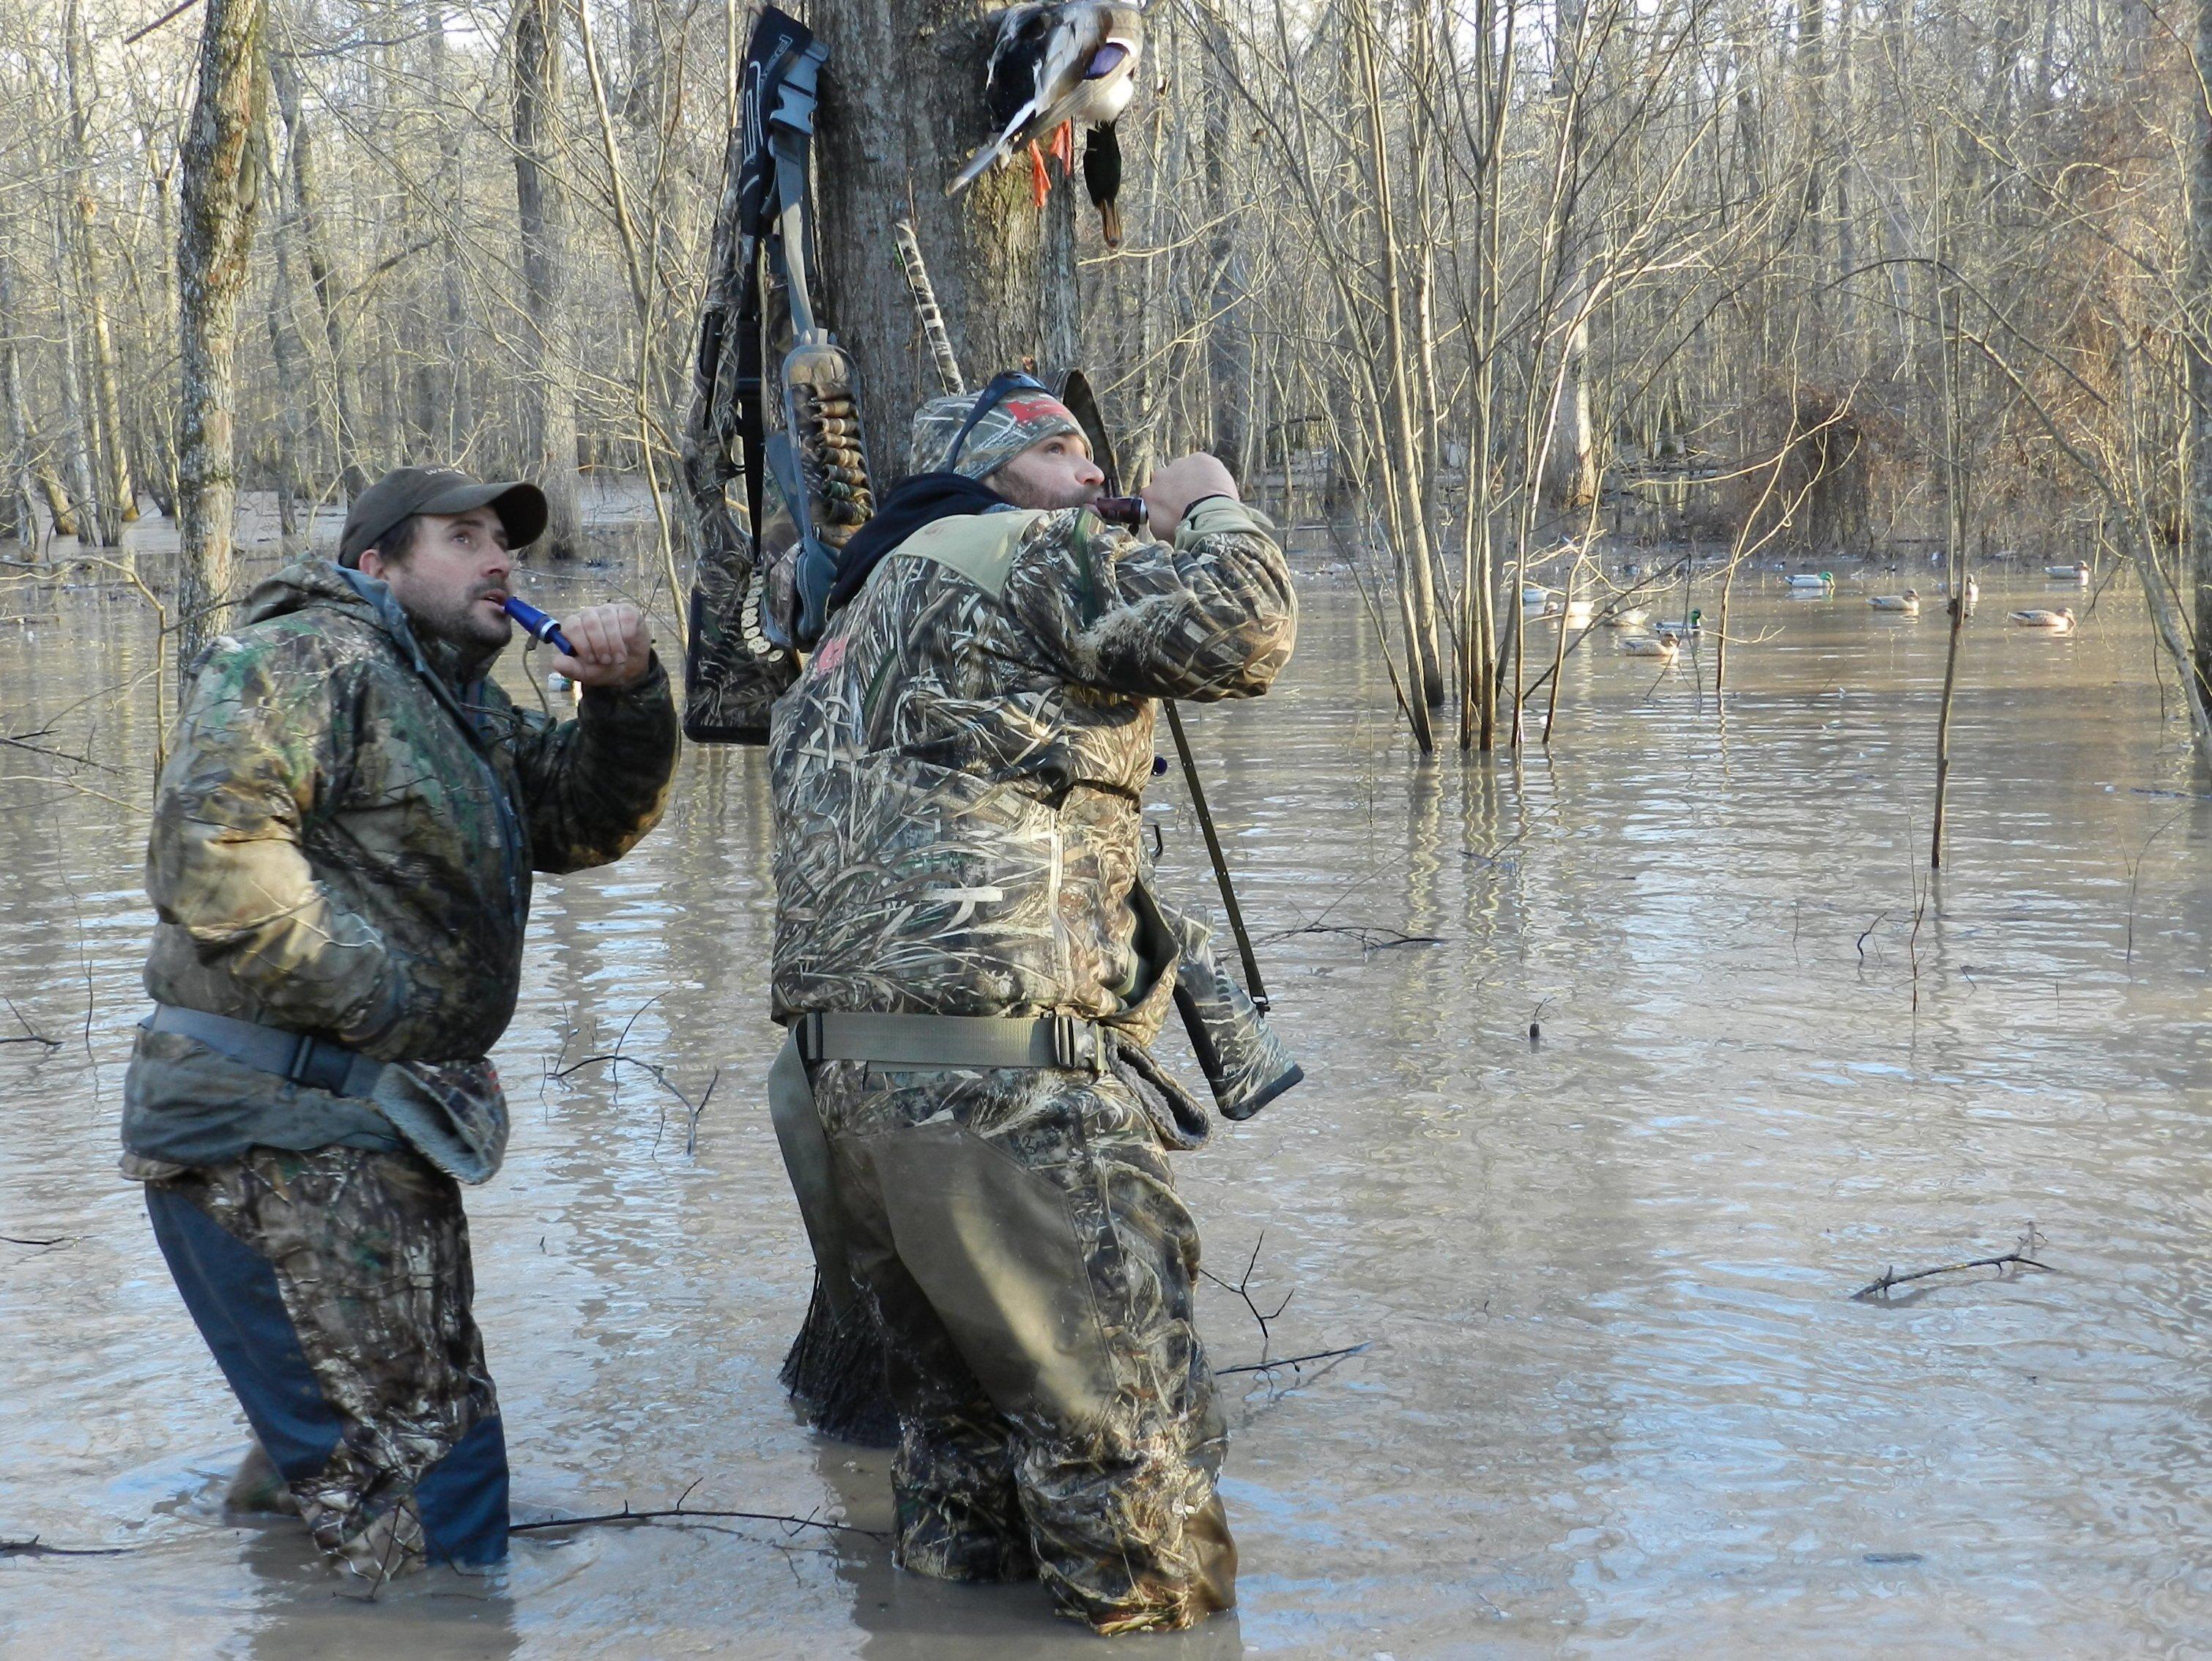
473	638
1020	493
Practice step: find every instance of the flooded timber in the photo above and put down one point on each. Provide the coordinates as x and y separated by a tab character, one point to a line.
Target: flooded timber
1619	1398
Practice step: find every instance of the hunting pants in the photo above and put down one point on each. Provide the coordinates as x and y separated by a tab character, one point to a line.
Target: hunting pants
1022	1248
334	1287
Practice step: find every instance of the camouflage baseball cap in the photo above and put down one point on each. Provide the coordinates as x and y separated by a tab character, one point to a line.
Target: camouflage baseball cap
406	491
1023	413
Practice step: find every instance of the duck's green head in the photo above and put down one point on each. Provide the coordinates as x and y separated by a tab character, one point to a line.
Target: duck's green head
1696	617
1829	578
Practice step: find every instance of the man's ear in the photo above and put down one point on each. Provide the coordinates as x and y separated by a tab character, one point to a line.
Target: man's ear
372	565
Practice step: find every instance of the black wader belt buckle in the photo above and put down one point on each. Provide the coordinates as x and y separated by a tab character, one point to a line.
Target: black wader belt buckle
806	1033
1068	1049
319	1065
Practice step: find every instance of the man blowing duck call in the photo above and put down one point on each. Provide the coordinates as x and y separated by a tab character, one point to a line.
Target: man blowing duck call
342	843
970	990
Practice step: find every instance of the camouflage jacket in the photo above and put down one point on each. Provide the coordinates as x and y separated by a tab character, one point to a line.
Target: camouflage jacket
342	844
958	773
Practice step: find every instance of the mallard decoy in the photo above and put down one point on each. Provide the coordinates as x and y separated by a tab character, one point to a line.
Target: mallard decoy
2076	574
1689	629
1056	63
1634	617
1807	582
1908	602
2060	621
1650	646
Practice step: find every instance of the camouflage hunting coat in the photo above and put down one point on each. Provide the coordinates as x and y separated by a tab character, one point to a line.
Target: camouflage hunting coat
343	845
959	771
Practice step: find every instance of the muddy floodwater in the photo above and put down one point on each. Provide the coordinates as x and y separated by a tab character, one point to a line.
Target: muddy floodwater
1617	1397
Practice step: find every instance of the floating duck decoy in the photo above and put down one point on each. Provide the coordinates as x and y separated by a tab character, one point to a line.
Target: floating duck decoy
1635	617
1908	602
1973	590
1810	582
1648	645
1056	63
1687	630
2076	574
1579	612
2060	621
1535	598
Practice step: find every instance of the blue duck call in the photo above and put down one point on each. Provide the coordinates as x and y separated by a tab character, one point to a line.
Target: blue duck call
538	626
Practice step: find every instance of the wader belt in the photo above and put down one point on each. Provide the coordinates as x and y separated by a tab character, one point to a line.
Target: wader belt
931	1040
313	1062
900	1040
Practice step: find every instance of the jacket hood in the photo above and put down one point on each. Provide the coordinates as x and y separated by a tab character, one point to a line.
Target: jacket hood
306	583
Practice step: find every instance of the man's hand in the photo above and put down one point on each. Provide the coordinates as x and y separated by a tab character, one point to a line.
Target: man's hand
613	649
1186	480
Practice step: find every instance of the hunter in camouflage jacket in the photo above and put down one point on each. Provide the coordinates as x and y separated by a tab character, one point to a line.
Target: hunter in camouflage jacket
959	772
343	845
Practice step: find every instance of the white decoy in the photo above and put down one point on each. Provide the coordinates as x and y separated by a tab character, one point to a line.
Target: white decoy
2076	574
1648	645
1056	63
1908	602
2060	621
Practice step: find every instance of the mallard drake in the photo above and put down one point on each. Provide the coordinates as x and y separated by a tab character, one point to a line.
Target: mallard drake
1813	581
1689	629
2077	573
1908	602
1648	645
1054	66
2060	621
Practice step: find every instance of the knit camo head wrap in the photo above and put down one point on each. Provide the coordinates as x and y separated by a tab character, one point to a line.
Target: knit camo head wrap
1027	415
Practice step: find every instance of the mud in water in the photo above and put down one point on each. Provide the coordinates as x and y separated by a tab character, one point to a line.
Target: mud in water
1618	1399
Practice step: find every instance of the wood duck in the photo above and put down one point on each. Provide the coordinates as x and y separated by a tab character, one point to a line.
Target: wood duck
1056	63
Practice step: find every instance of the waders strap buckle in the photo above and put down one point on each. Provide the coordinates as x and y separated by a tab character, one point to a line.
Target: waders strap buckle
1063	1041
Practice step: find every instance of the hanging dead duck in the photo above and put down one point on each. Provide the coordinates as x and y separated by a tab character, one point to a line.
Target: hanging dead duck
1052	66
1102	178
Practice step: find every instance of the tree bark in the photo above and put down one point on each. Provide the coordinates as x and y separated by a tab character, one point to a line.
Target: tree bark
902	108
216	212
541	205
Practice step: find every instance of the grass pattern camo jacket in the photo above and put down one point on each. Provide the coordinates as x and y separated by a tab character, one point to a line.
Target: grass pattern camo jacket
958	773
342	844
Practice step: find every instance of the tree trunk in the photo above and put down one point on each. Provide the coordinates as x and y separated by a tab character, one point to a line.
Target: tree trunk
2197	567
1402	435
119	499
1229	329
1571	476
307	217
215	213
902	108
541	205
19	514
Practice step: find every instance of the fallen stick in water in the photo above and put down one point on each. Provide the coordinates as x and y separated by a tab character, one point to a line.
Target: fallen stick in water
32	1548
680	1511
1890	1276
1294	1362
